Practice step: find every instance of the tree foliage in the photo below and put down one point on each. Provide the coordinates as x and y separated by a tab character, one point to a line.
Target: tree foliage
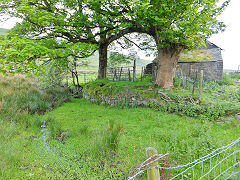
174	24
116	59
21	54
71	22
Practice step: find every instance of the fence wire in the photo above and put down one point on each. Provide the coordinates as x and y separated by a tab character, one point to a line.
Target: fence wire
222	163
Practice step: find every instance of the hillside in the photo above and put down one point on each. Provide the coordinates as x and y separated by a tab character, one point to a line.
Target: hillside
3	31
93	61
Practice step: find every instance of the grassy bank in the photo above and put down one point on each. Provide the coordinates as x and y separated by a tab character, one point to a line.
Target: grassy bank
219	99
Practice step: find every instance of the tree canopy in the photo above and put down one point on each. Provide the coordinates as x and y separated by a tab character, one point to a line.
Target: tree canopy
174	24
71	23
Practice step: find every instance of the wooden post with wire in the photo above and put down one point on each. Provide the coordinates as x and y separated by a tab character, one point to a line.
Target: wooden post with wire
201	85
153	174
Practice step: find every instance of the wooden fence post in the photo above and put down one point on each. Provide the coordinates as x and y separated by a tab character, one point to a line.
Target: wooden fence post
134	70
115	74
153	174
194	83
201	85
182	79
129	74
120	74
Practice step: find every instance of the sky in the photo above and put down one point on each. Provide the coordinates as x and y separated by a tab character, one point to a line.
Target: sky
229	40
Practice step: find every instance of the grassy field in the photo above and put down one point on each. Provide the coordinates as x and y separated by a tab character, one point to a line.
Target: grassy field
85	140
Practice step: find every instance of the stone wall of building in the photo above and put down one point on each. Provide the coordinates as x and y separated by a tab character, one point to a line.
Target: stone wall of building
212	70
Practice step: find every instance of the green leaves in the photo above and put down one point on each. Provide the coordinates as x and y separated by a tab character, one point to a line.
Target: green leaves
62	28
20	54
117	59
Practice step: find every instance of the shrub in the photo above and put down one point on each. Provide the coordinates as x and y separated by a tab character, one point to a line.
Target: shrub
52	77
235	76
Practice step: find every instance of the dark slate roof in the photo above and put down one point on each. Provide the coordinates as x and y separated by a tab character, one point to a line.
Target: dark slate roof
210	45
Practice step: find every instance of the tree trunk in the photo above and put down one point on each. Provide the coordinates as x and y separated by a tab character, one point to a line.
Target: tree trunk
102	71
167	62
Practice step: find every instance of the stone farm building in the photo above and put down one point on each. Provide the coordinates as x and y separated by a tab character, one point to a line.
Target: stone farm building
209	59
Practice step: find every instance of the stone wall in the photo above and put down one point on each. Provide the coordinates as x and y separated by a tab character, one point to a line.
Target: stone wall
213	70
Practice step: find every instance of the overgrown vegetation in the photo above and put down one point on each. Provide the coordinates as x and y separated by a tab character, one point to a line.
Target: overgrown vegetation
220	98
21	103
197	55
21	96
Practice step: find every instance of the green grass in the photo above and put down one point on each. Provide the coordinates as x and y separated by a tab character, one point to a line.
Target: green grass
184	138
90	141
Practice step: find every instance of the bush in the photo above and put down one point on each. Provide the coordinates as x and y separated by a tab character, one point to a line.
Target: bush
52	77
235	76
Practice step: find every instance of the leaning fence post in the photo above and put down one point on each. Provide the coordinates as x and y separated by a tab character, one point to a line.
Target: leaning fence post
201	85
153	174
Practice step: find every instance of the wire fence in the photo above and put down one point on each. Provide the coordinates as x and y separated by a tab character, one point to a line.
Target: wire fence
222	163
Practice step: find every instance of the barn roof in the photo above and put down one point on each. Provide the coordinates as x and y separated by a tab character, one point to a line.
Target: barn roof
210	45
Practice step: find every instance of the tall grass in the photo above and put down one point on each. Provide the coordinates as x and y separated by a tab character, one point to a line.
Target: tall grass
111	136
21	103
20	96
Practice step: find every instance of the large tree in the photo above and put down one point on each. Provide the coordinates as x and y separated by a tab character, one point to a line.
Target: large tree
97	22
175	25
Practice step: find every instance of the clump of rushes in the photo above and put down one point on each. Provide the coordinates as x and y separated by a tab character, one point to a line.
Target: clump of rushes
111	136
19	95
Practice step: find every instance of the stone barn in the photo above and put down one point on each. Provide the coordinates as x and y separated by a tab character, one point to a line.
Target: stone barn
209	59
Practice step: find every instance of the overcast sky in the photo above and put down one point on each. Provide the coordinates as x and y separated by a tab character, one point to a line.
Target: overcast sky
229	40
